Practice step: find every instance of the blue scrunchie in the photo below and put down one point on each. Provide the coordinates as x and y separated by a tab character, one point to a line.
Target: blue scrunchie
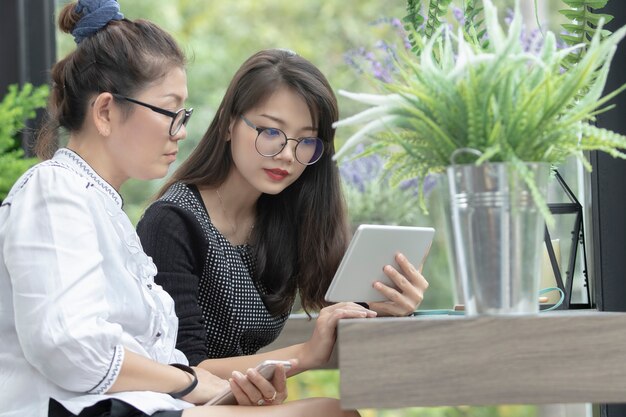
96	14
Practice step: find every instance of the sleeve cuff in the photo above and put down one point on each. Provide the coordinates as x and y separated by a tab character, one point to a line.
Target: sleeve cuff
111	376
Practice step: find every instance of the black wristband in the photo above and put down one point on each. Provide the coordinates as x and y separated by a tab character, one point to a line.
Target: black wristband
191	387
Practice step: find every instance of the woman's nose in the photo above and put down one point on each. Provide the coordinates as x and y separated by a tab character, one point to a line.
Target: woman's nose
289	151
181	134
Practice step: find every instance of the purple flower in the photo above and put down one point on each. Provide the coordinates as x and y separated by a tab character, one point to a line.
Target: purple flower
413	185
361	171
367	61
508	18
531	40
396	23
458	15
381	61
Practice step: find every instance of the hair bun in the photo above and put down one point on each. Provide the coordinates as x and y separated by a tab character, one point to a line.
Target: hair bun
95	14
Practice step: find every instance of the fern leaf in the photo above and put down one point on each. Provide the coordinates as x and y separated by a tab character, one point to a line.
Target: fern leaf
582	26
437	10
414	23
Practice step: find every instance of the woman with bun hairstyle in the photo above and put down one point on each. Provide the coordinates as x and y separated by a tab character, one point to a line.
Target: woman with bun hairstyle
84	330
255	217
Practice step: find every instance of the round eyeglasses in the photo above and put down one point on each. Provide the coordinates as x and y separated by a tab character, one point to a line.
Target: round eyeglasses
179	117
271	141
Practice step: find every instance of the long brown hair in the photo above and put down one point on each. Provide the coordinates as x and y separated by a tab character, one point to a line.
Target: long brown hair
301	233
123	57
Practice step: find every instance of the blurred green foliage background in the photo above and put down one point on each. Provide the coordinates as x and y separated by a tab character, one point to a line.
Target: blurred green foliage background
16	107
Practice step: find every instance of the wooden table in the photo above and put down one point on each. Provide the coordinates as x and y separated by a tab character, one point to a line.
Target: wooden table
555	357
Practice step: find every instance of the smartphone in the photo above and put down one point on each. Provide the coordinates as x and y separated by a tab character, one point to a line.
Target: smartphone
265	368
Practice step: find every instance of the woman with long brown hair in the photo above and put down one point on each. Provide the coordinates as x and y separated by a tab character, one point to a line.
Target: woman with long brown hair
255	216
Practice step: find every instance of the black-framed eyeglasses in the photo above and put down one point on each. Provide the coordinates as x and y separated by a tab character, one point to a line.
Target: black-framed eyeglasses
179	117
271	141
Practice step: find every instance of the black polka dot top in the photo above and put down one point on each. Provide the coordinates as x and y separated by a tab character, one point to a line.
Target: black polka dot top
217	299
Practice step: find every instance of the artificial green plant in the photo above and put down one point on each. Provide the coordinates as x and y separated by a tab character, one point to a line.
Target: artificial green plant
580	28
508	104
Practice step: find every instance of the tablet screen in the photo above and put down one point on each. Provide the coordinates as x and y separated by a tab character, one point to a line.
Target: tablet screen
371	248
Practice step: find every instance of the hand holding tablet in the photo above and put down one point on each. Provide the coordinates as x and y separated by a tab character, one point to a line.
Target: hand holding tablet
371	248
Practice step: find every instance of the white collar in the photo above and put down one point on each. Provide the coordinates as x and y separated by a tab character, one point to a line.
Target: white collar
82	168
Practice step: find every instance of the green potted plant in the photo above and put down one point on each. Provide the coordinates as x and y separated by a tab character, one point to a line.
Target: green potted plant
494	117
17	106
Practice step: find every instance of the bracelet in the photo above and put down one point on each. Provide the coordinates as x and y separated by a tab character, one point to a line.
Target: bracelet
191	387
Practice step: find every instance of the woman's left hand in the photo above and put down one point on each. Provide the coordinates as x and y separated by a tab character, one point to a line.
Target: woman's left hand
410	293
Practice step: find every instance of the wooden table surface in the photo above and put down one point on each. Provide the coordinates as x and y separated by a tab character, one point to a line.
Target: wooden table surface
555	357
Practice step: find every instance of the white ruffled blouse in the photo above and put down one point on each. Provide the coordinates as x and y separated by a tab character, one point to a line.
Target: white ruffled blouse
75	289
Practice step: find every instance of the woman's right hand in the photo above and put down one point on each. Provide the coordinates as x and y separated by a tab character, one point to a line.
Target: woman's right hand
208	387
317	350
252	388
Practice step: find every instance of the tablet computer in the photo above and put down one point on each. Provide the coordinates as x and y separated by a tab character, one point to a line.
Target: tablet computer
371	248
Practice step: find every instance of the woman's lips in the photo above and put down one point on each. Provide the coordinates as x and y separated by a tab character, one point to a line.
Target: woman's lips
276	174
